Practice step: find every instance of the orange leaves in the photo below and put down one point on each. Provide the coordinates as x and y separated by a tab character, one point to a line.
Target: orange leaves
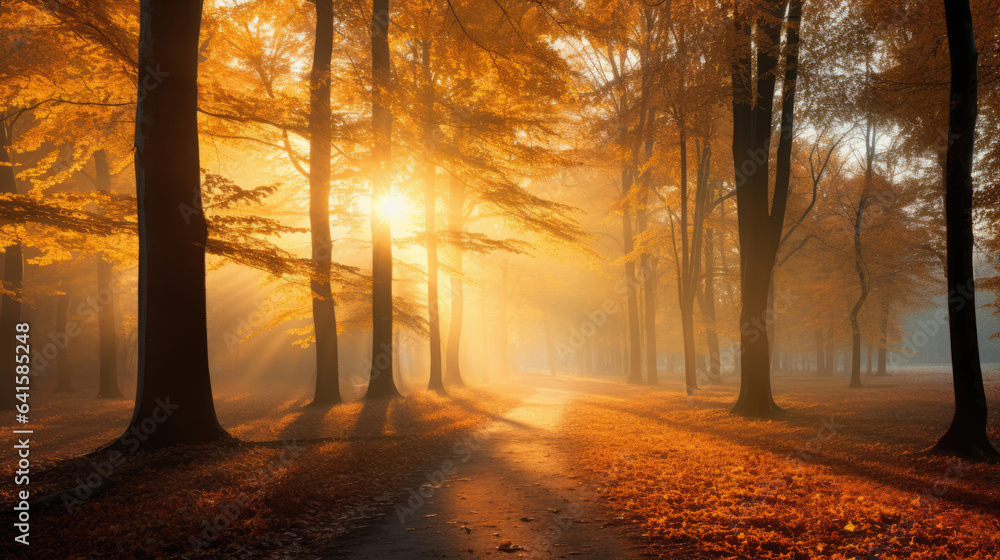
723	485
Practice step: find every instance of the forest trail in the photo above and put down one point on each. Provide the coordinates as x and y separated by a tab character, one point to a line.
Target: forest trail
516	485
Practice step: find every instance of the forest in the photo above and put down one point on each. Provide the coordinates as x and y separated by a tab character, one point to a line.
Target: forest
623	279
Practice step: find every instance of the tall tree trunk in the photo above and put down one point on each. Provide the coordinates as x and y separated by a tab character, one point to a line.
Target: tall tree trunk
64	372
649	303
13	273
647	267
760	219
503	351
323	304
883	344
456	209
708	308
688	274
859	261
646	139
174	391
820	353
633	344
106	326
967	433
483	318
381	384
396	353
436	382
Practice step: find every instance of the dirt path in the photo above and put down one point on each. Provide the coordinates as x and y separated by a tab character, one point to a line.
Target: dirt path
510	483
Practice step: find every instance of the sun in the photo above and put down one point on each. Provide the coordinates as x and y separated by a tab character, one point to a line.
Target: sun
393	208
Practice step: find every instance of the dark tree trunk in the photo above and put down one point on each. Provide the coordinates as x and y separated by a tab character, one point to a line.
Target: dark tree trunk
483	333
967	433
436	382
708	308
173	403
503	351
64	373
647	264
106	325
760	220
859	261
13	274
323	304
688	270
883	337
456	209
646	139
381	384
649	303
396	363
633	347
820	353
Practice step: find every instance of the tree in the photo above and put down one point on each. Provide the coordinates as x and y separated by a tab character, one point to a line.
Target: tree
761	215
64	370
967	433
107	335
174	388
430	134
323	305
381	384
456	225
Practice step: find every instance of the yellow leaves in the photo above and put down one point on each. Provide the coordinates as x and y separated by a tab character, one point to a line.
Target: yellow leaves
850	527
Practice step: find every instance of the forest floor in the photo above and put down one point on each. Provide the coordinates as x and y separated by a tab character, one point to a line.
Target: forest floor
550	467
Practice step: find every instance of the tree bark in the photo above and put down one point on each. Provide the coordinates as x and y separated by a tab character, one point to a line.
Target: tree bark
436	382
173	403
456	209
708	308
883	337
382	384
483	316
323	305
647	262
820	353
64	373
859	261
633	345
967	433
503	351
107	327
760	223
